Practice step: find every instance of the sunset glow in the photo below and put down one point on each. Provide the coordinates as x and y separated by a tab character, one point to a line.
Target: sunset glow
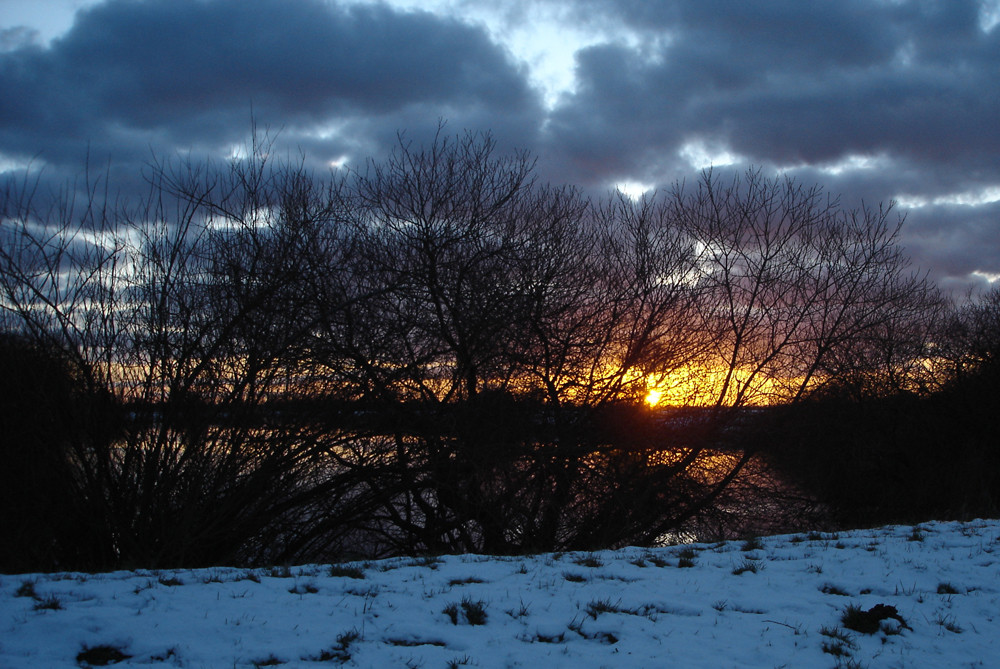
698	386
653	397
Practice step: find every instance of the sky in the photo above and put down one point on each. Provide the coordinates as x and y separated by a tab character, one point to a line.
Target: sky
876	100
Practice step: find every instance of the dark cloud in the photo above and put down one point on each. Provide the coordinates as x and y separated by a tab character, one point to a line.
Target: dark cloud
910	84
960	245
789	83
802	86
188	72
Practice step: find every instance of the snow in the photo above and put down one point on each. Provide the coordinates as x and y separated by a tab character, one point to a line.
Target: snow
630	608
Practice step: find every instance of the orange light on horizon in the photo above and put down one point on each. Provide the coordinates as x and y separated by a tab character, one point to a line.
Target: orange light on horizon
698	386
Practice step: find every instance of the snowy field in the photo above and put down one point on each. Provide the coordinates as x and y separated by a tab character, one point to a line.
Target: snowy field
925	596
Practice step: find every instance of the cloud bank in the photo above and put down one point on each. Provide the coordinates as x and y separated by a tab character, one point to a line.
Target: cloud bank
875	99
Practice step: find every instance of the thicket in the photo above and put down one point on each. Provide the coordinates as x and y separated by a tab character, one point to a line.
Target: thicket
434	353
910	454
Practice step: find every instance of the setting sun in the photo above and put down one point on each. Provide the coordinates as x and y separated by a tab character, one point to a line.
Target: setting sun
653	397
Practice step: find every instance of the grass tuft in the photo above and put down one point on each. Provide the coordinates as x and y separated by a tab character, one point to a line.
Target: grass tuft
345	639
831	589
347	571
948	622
50	603
658	561
431	562
303	589
752	566
685	558
837	634
599	606
171	654
549	638
835	648
475	611
413	643
452	612
26	589
588	561
520	612
341	652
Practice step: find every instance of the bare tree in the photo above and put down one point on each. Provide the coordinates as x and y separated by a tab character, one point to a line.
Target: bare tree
195	310
436	229
437	353
525	318
798	292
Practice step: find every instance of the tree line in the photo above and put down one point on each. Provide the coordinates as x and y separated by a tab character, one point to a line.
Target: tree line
433	353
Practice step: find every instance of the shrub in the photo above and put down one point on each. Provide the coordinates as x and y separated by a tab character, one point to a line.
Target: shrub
870	621
51	417
99	656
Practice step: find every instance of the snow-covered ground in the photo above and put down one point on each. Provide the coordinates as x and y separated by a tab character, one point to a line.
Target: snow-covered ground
774	602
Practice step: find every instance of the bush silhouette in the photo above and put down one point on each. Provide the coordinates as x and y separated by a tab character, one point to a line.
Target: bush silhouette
46	418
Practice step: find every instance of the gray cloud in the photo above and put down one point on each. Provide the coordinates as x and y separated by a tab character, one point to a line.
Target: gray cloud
185	72
801	86
787	83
